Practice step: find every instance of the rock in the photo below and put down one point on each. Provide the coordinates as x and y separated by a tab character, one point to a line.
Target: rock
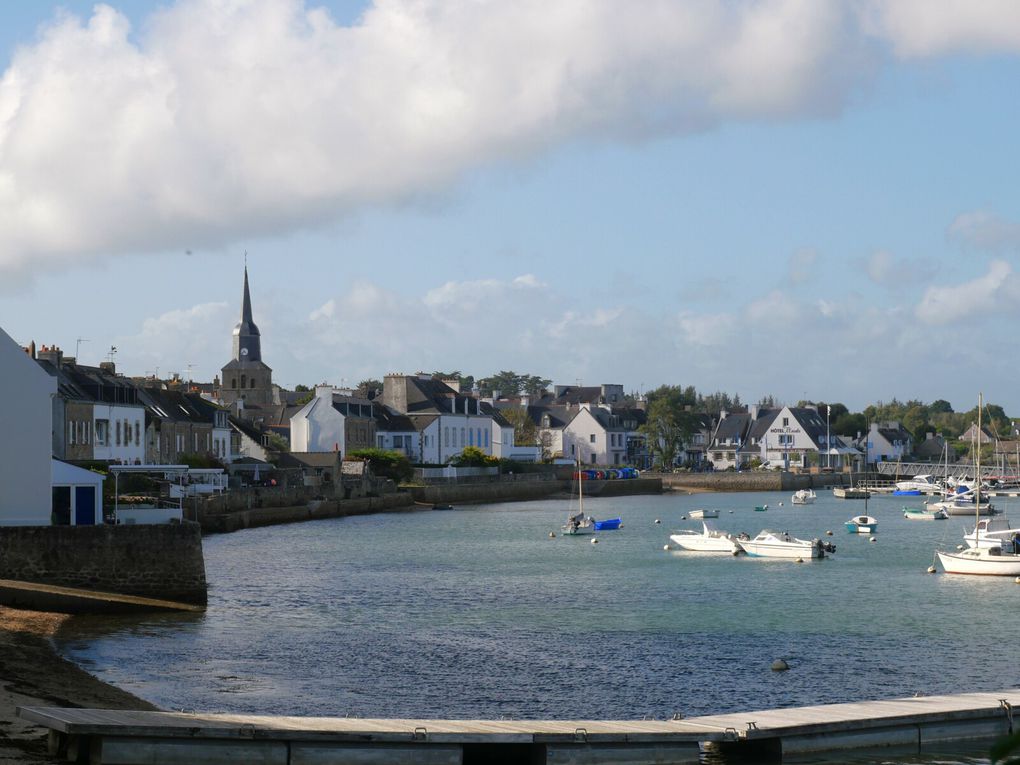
780	665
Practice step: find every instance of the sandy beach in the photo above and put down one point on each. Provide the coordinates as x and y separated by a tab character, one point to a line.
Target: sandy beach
31	674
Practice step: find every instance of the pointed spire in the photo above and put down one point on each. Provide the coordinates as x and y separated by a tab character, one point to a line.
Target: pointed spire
246	300
247	340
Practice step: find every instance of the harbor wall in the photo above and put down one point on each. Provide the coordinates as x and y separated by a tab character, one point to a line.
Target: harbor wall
759	480
219	521
519	491
157	561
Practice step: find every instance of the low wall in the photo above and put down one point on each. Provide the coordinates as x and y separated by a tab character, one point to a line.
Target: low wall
758	480
163	562
225	522
520	491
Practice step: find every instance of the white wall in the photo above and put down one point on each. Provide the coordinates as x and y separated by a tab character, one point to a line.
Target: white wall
577	440
318	427
26	446
130	450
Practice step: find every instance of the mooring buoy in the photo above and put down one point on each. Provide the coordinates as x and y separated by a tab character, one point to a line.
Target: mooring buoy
779	665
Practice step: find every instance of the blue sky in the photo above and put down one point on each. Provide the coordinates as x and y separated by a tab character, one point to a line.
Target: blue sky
789	198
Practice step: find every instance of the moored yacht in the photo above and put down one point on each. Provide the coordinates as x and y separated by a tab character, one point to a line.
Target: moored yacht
709	539
780	544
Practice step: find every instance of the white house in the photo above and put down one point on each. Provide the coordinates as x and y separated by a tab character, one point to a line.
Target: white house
445	420
25	450
595	437
317	426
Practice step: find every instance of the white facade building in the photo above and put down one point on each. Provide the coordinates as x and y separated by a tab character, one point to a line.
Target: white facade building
26	449
318	426
117	433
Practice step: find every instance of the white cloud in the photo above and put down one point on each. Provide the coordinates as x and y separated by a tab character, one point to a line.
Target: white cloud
997	291
986	231
178	338
255	117
918	28
888	270
774	310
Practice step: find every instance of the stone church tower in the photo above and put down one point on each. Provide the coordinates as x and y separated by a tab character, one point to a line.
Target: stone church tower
245	377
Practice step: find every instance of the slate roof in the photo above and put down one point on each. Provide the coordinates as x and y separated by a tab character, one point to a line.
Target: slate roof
733	427
430	396
758	429
91	384
389	421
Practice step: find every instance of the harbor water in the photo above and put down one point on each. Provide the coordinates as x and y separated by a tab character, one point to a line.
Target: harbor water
477	612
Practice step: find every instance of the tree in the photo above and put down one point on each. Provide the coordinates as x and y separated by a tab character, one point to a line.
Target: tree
385	463
849	424
668	423
369	389
525	429
509	383
940	406
301	388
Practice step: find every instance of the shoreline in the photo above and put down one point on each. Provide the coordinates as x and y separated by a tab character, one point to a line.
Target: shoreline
33	674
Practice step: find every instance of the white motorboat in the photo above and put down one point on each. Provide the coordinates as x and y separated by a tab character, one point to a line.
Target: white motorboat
804	497
780	544
862	524
962	504
699	515
991	532
709	539
927	514
925	484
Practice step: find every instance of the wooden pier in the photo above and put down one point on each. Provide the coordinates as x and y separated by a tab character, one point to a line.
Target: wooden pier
107	737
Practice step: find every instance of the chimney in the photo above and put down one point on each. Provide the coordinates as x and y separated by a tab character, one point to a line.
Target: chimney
109	367
52	354
324	391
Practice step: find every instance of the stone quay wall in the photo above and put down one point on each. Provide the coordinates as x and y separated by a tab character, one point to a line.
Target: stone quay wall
521	491
758	480
221	522
157	561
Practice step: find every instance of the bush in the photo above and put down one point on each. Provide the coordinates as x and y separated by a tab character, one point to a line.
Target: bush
472	456
386	464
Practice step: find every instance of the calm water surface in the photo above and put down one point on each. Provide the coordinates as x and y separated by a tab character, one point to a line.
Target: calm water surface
476	612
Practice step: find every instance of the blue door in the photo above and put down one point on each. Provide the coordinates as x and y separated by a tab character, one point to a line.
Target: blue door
84	506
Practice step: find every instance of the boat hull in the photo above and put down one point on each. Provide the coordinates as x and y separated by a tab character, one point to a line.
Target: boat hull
610	524
980	562
700	543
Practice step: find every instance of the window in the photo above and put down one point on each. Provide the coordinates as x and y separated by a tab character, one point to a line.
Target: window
233	382
446	436
486	439
127	432
253	382
138	433
102	432
593	458
244	381
70	432
591	438
786	422
118	432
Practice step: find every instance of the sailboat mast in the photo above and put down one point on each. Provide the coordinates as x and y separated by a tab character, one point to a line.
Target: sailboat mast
580	488
977	486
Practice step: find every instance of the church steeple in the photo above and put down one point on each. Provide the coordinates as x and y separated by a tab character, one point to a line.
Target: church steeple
247	338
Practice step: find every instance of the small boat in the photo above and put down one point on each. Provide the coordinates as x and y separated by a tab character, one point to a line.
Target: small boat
760	508
701	514
917	514
989	561
579	524
610	524
442	507
919	484
991	532
963	505
862	524
804	497
850	493
1001	560
710	539
779	544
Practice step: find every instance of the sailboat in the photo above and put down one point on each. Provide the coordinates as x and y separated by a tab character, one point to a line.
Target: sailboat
1001	560
579	523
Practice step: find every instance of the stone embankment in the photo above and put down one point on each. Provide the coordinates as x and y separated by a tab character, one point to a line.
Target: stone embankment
760	480
213	522
163	562
522	491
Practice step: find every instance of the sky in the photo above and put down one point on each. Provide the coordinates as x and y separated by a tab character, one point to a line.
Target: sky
781	197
